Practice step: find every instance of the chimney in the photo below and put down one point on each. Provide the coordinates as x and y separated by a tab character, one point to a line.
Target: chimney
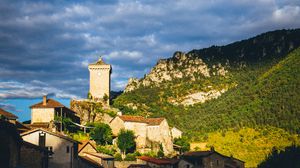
44	100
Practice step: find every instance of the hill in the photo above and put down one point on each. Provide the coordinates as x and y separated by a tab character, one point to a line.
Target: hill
221	92
235	85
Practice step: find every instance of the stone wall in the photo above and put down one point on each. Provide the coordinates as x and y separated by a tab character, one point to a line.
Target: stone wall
42	115
26	158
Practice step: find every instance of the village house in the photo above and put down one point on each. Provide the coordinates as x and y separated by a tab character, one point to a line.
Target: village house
29	151
63	149
10	144
13	119
87	151
208	159
49	113
150	133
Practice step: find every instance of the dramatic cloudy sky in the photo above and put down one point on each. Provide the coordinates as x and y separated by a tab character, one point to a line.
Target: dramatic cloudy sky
45	46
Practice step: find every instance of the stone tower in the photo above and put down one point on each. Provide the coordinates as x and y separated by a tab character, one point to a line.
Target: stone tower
100	80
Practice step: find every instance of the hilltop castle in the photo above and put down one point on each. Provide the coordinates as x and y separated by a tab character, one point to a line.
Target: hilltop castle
100	80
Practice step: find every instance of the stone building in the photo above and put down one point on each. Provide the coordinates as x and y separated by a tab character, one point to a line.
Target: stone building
100	80
44	114
209	159
29	151
10	143
150	132
87	152
13	119
65	149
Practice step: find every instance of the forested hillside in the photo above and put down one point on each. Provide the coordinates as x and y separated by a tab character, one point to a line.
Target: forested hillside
262	87
253	83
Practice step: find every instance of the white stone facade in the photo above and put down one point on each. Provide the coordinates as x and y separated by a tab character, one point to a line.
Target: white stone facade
146	133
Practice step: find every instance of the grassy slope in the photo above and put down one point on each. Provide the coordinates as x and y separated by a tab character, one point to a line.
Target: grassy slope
251	145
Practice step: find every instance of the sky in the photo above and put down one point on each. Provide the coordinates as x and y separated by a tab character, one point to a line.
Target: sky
45	46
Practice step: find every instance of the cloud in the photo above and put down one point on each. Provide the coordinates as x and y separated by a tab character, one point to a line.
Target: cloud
53	41
8	107
34	89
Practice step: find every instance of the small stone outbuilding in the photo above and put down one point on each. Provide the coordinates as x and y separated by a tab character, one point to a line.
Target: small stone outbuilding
149	132
209	159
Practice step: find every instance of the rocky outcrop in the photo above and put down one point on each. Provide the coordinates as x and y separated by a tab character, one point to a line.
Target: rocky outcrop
90	111
198	97
180	66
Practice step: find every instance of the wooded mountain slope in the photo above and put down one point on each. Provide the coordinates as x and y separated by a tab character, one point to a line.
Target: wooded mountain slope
262	86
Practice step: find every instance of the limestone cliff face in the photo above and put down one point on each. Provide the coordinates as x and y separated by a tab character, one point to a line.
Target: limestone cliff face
90	111
180	66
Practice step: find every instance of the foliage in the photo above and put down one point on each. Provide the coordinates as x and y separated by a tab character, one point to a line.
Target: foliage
265	94
89	96
130	157
118	157
183	142
107	149
160	152
289	158
80	136
66	123
251	145
126	142
150	154
102	133
105	97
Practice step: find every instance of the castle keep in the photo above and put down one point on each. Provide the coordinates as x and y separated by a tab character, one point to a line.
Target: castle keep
100	80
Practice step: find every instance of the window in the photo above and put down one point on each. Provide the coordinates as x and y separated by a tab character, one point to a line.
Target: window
217	162
68	149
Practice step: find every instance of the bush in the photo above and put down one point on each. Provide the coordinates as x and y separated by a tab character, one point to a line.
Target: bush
80	136
106	149
102	134
130	157
118	157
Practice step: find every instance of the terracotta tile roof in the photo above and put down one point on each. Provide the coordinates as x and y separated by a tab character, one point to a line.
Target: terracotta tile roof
21	127
154	121
138	166
50	103
7	114
140	119
90	161
38	125
100	155
198	153
84	143
164	161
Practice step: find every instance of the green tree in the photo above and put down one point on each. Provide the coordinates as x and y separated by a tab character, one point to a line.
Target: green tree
126	142
89	96
183	142
105	97
102	133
